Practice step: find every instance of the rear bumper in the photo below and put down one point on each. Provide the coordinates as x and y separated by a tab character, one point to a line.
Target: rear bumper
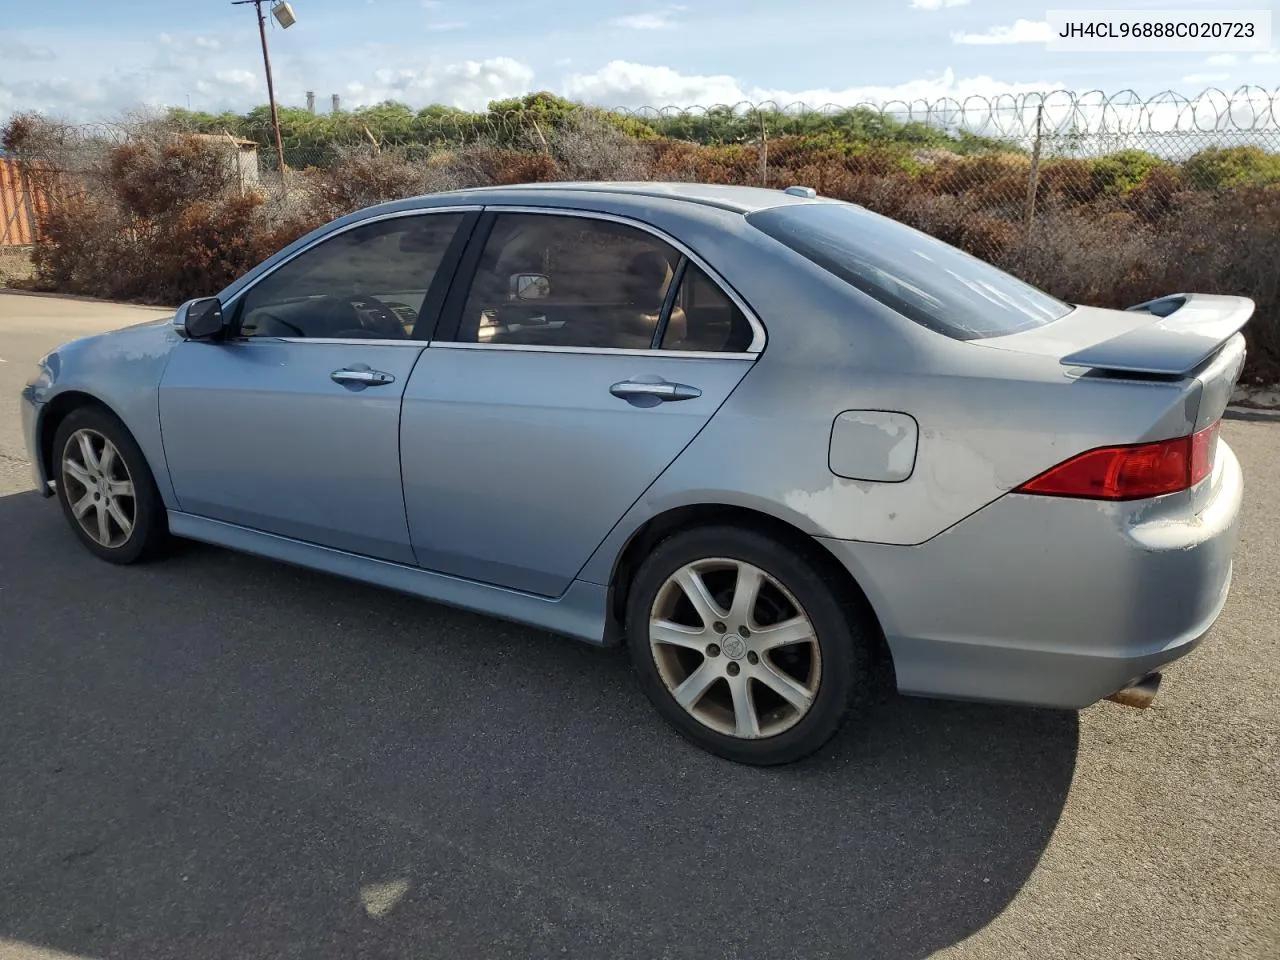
1053	602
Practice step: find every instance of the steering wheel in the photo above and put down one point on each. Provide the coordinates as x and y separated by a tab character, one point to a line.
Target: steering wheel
385	323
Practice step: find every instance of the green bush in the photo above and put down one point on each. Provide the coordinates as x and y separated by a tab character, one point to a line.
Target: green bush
1124	171
1219	168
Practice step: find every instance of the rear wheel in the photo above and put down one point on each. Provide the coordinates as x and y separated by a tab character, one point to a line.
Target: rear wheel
106	488
744	646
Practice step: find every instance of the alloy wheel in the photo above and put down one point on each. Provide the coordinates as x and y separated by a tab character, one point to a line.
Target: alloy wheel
734	648
99	488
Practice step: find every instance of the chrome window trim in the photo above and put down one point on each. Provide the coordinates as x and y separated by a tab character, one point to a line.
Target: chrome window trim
352	341
416	212
507	347
758	337
609	351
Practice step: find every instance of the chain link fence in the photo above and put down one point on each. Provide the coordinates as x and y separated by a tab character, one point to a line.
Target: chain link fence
1009	156
1169	128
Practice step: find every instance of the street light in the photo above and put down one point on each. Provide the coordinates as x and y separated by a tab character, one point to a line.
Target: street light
283	13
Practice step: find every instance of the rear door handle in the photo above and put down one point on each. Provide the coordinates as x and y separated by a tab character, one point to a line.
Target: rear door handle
658	390
362	376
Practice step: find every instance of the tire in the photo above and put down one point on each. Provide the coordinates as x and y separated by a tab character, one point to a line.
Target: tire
666	655
80	475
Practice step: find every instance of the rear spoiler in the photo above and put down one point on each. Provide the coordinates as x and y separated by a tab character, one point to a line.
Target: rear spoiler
1190	328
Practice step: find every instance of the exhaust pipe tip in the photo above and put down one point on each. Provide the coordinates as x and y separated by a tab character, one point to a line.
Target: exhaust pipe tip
1140	694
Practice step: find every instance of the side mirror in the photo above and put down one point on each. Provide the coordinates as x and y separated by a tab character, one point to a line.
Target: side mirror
530	286
199	319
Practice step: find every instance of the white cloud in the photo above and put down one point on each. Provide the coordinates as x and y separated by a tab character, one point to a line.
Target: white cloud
243	79
644	21
1271	56
1221	60
108	96
207	43
232	80
635	85
624	84
469	84
15	51
447	25
936	4
235	85
1203	79
1022	31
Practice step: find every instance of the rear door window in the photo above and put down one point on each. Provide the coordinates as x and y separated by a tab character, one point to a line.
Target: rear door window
552	280
933	283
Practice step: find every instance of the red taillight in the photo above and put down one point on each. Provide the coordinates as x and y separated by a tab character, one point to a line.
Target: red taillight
1133	472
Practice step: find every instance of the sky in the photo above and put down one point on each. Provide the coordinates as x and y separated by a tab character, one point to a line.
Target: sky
85	60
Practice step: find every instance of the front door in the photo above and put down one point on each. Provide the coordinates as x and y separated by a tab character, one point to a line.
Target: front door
291	426
531	430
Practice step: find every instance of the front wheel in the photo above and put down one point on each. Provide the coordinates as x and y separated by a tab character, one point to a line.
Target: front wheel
744	646
106	488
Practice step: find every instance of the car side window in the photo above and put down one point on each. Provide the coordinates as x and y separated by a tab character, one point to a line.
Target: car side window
369	282
567	281
704	319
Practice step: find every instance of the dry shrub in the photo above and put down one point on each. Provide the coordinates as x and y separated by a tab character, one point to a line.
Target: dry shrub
1229	243
1225	244
207	244
887	194
988	180
581	148
362	177
586	147
86	246
673	161
1066	180
158	219
1156	195
153	177
1108	261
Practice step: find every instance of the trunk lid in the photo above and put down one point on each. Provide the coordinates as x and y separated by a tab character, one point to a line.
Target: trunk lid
1173	336
1178	337
1191	342
1168	337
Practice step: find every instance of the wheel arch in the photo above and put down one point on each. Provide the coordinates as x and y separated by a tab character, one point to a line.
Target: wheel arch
56	410
661	526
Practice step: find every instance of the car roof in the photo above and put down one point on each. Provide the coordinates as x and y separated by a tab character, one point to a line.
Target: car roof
738	199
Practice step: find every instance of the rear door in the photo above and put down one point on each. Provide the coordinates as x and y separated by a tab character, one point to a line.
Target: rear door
578	357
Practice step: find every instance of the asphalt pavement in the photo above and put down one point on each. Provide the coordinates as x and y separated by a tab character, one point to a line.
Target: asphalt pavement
220	757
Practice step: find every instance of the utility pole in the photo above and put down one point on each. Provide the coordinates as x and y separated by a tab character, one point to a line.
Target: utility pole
286	22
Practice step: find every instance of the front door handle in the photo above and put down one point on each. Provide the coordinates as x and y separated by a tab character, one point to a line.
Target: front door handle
657	390
361	376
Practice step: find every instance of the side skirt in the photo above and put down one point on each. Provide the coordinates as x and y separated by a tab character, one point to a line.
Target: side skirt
578	613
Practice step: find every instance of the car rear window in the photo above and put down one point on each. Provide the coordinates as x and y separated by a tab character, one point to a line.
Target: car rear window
928	281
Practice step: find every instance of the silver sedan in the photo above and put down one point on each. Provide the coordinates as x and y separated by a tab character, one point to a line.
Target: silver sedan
779	446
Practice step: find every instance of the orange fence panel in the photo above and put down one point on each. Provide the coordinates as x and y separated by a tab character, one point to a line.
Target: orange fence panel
18	206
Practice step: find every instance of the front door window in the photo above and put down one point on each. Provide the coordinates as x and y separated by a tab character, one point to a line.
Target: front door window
370	282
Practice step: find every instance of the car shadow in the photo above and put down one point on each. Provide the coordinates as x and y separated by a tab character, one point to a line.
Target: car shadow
221	757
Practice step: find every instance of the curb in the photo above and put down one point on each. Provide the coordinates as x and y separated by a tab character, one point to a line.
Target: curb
1252	414
16	292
